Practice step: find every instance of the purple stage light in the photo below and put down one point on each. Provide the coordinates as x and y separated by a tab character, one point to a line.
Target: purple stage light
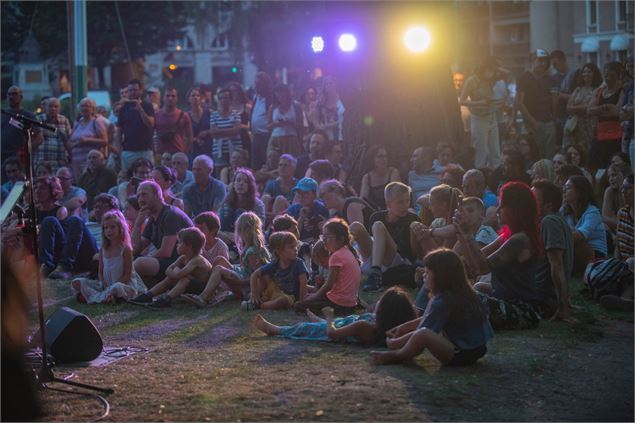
317	44
347	42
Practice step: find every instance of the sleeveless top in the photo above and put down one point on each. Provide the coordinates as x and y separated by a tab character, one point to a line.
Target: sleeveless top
112	268
288	116
612	99
376	192
367	209
516	281
42	214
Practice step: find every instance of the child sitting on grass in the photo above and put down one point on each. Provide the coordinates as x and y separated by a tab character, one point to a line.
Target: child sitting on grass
188	273
285	222
117	278
279	284
250	241
340	289
214	248
454	327
393	308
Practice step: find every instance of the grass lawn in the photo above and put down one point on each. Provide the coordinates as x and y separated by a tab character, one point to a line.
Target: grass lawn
211	365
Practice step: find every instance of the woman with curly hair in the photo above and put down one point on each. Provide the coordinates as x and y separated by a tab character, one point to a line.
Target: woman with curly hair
242	197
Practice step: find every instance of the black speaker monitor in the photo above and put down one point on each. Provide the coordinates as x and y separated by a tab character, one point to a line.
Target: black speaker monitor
71	337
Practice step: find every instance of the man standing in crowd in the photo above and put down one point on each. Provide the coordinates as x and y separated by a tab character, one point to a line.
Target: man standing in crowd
13	138
97	178
206	193
164	222
135	124
259	120
534	100
459	80
173	126
154	97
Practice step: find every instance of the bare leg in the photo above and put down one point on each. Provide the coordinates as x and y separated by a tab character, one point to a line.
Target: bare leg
362	237
439	346
146	266
312	317
396	343
162	286
222	262
277	304
179	288
384	247
264	326
212	283
268	202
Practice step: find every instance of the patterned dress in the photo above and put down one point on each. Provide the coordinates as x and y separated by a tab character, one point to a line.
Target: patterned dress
584	131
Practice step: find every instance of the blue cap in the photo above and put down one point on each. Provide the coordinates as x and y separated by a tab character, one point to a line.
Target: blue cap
306	184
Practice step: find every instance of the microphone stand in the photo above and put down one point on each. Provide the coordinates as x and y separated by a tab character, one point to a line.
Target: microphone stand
46	371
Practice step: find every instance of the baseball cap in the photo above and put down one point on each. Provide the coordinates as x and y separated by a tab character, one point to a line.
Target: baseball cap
153	90
539	54
306	184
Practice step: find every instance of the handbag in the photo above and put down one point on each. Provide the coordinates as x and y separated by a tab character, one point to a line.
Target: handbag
571	124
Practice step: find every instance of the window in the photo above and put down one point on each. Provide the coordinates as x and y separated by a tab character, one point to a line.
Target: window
592	16
221	42
33	77
623	15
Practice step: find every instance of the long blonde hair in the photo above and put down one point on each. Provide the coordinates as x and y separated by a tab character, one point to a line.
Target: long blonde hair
249	232
118	217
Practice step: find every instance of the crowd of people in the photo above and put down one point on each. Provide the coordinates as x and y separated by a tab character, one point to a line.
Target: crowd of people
249	199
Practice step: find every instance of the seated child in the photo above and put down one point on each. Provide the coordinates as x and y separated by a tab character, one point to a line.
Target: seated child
319	259
392	243
284	222
214	248
117	278
250	241
340	289
188	273
309	212
282	282
393	309
455	325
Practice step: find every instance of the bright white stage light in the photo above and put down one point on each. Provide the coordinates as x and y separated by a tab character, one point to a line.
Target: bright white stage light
417	39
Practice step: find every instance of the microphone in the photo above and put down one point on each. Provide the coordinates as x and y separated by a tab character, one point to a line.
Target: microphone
30	122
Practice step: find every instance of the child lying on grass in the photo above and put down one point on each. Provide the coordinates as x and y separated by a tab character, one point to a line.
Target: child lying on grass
393	308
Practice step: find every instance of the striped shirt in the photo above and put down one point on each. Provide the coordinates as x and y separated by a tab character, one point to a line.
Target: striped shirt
223	146
625	228
53	149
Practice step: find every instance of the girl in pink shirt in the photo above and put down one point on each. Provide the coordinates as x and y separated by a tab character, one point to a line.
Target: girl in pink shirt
340	289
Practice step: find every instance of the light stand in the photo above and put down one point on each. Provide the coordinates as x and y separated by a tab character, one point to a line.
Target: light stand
45	374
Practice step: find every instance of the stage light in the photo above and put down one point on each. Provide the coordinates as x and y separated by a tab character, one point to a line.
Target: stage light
234	69
172	66
347	42
417	39
317	44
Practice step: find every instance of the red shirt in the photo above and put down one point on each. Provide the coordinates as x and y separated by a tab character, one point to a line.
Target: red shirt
170	136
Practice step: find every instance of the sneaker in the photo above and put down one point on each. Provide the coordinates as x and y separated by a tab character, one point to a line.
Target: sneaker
161	301
60	273
248	306
615	303
194	300
141	299
373	281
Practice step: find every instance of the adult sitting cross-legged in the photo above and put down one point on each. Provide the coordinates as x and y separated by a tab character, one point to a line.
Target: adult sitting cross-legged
65	244
163	223
73	198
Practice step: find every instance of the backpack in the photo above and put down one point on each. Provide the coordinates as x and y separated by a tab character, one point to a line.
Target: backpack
605	277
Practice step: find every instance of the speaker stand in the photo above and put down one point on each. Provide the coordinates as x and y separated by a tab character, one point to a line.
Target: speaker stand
45	374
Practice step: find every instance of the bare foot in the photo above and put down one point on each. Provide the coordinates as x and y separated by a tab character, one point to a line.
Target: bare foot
383	357
312	317
264	326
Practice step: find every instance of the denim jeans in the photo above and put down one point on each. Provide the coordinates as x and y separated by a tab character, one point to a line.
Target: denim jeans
68	243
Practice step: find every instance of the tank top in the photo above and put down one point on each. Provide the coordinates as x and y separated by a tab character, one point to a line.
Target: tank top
516	281
612	99
112	268
367	209
288	116
42	214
